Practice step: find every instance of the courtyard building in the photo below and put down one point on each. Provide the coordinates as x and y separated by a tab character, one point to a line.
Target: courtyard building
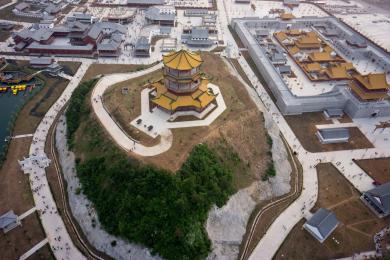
322	224
378	200
9	221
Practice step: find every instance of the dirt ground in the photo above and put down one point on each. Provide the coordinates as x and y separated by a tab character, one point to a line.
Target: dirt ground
4	35
7	14
4	2
271	213
304	127
379	169
101	69
126	108
355	232
15	194
238	134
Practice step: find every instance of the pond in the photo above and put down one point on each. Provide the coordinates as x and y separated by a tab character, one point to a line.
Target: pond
9	104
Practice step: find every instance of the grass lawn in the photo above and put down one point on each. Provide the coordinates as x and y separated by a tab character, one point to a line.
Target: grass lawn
237	135
354	234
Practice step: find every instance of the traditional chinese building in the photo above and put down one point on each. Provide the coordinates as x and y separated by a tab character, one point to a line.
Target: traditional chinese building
370	87
183	87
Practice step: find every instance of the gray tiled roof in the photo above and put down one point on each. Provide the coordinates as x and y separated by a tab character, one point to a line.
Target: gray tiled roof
142	43
153	13
382	193
262	32
278	57
285	69
37	35
41	60
146	2
21	6
198	32
325	221
334	133
97	28
8	219
38	46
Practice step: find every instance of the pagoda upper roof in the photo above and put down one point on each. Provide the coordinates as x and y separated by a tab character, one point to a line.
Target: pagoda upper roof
182	60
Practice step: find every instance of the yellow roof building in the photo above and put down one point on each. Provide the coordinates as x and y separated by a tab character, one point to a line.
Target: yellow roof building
312	67
294	50
370	87
320	56
281	36
182	60
337	72
294	32
309	40
373	81
287	16
200	99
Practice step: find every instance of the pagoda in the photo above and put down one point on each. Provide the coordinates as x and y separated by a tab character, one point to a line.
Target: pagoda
183	88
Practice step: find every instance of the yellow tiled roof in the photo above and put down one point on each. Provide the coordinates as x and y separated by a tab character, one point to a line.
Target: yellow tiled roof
347	65
168	100
281	36
327	48
182	60
294	32
185	101
206	99
368	95
373	81
337	72
294	50
320	56
197	93
315	66
309	39
171	95
164	102
287	16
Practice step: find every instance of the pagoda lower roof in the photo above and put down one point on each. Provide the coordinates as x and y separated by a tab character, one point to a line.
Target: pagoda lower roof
168	100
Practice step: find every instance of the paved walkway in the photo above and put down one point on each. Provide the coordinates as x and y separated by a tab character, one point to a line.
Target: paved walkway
22	136
34	249
337	125
116	132
53	225
27	213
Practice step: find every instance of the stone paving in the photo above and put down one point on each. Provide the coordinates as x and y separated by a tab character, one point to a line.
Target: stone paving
52	223
34	249
117	133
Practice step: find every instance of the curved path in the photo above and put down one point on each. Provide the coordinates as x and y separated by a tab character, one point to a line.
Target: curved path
115	131
64	199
